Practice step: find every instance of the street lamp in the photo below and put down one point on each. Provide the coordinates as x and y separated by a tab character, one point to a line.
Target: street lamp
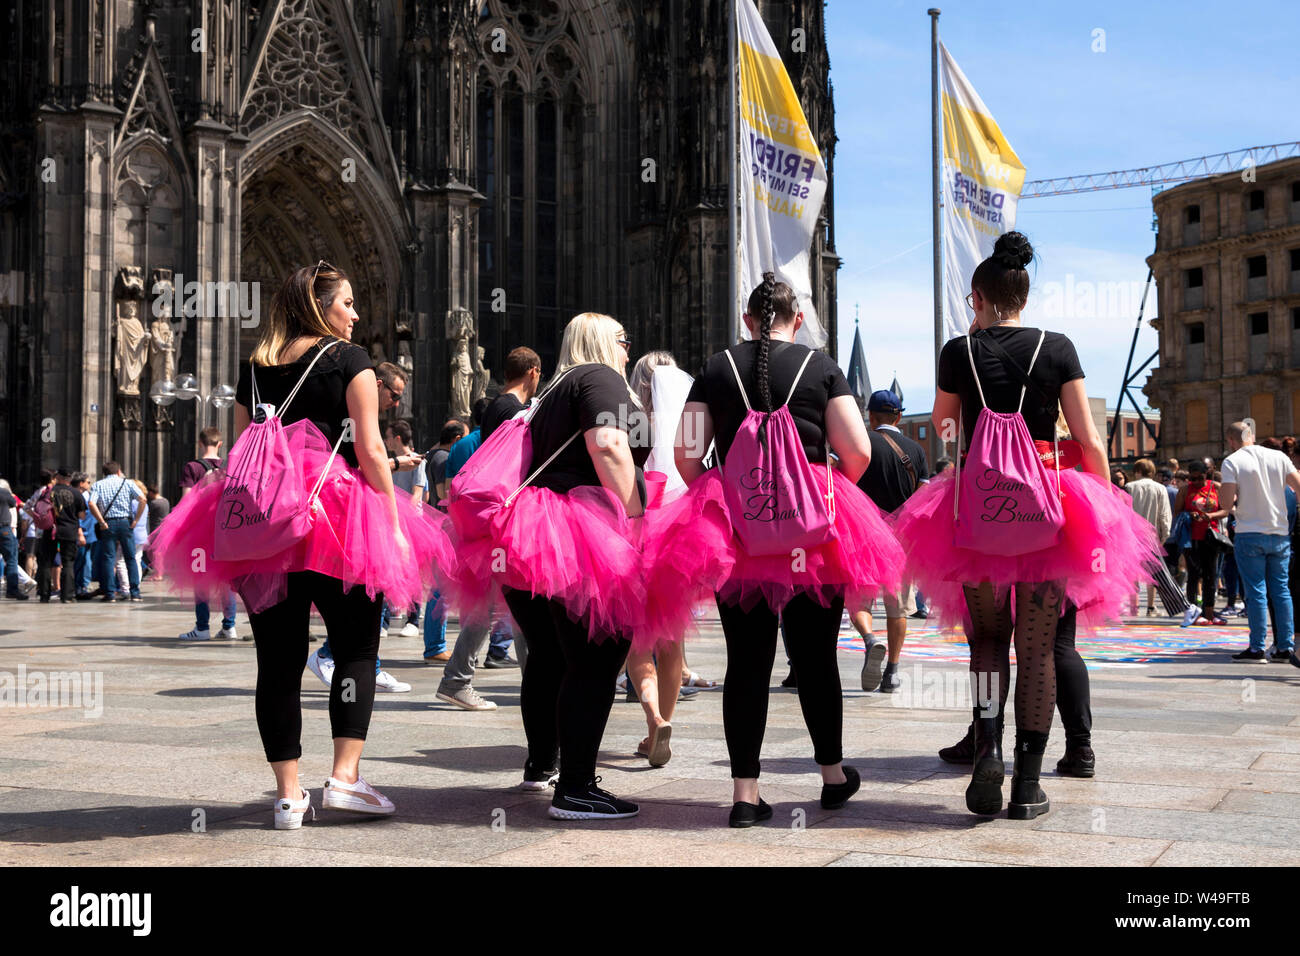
186	387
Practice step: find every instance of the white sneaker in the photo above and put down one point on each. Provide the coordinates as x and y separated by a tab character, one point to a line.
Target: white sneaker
410	630
227	634
195	635
383	632
359	797
467	698
387	683
322	667
289	813
1190	615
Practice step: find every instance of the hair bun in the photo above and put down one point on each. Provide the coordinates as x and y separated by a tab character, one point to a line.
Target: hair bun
1013	250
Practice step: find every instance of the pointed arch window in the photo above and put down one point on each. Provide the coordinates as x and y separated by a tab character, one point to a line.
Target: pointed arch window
530	160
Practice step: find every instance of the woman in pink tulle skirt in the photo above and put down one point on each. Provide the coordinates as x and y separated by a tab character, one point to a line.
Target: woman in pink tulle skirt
694	550
564	551
1102	547
364	543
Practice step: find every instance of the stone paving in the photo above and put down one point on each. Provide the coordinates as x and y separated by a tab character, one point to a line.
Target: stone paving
1198	765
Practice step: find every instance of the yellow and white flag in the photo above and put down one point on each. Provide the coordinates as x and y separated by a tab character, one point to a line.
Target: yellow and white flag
982	179
782	177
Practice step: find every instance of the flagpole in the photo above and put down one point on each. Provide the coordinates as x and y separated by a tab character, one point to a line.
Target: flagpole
937	196
732	225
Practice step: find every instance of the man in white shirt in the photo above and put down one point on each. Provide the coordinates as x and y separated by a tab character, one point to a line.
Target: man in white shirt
1255	480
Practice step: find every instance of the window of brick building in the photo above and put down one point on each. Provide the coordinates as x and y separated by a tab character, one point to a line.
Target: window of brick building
1257	323
1194	288
1193	215
1255	200
1256	277
1128	429
1295	270
1195	350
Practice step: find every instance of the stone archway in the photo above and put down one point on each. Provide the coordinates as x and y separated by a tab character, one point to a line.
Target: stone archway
306	196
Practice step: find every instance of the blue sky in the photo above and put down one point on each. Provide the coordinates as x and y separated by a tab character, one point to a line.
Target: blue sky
1176	80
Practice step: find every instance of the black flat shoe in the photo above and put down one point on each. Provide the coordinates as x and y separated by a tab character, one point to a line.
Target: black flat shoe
835	795
747	814
1077	762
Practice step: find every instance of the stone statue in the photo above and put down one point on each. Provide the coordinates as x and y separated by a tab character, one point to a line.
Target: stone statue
162	351
480	377
462	380
460	329
131	348
404	359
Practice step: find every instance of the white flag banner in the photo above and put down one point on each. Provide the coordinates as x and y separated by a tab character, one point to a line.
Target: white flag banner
982	179
782	177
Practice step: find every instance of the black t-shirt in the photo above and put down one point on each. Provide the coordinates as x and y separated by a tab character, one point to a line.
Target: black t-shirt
822	380
589	396
68	504
1057	364
886	481
322	398
503	408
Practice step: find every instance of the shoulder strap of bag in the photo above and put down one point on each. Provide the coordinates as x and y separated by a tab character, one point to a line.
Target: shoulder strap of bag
795	384
1026	382
739	384
114	501
528	419
285	405
907	462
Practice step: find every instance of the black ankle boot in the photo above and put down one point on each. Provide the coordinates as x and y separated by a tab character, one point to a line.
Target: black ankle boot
984	794
1079	761
1027	797
963	751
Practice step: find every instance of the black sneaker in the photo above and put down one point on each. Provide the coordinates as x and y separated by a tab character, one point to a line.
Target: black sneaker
18	596
835	795
890	681
747	814
1279	657
790	680
497	663
590	803
1248	655
538	780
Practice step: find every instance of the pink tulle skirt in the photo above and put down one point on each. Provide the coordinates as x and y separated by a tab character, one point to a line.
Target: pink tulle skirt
351	539
1104	550
693	555
578	548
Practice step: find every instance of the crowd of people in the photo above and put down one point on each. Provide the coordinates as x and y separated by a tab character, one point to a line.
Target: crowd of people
588	520
1228	529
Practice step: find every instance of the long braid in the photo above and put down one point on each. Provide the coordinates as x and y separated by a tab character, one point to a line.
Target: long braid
767	289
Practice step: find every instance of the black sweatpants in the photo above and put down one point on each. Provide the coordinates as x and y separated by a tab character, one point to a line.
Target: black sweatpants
567	688
1203	573
281	633
812	633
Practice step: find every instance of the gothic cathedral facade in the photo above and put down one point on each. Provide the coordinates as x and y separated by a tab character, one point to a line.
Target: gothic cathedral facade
482	170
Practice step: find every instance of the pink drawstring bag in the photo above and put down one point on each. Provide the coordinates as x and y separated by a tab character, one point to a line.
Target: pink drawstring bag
1004	504
495	473
265	507
769	487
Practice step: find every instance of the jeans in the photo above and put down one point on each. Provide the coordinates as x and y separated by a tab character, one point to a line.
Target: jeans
435	626
500	639
228	609
1231	577
118	534
326	654
1263	561
83	567
920	603
9	559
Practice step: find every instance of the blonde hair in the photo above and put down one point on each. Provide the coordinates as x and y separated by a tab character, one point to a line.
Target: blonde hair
1062	426
590	338
298	309
1144	468
643	374
140	484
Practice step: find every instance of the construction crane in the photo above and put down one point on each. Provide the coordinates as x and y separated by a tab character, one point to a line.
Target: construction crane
1178	172
1155	176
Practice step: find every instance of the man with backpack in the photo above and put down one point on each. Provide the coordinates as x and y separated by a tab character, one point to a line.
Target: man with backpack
207	462
57	513
898	467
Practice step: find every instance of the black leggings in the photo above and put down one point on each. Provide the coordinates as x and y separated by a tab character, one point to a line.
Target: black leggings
812	633
567	688
1202	569
281	632
1038	612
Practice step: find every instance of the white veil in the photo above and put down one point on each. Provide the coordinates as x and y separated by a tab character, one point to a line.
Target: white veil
668	390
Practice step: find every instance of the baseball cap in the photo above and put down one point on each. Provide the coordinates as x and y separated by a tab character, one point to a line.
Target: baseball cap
884	401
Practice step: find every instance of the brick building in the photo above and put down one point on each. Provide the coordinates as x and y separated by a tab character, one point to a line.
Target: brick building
1227	267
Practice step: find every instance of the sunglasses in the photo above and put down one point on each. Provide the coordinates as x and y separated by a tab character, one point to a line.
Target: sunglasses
625	342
